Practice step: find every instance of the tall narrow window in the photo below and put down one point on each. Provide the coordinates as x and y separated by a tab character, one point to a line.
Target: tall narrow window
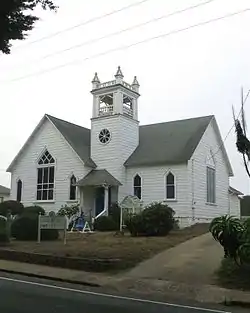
210	185
45	177
170	186
137	186
19	191
72	192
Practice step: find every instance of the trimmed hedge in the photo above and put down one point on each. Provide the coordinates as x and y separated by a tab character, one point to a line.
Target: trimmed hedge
36	209
15	208
26	228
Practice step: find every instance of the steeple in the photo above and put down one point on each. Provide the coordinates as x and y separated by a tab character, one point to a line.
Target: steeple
95	81
115	97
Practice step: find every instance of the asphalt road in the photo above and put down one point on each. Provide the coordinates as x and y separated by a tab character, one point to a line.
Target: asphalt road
21	295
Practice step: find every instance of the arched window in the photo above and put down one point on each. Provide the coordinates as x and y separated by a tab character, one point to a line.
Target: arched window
137	186
72	191
19	191
170	186
45	177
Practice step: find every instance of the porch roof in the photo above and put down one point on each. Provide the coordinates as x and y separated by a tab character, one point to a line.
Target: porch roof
98	178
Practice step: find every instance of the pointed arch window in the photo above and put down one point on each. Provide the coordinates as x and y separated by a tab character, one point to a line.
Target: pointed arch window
45	177
137	186
19	191
170	186
72	191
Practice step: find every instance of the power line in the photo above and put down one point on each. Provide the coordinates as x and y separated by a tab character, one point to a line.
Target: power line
228	133
92	20
129	46
85	43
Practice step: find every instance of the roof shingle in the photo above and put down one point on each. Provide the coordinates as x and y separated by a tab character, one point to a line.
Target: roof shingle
168	143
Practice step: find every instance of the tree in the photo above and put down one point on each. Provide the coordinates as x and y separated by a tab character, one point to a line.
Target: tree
16	19
242	142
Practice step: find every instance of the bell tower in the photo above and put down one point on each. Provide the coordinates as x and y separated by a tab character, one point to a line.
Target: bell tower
115	97
114	123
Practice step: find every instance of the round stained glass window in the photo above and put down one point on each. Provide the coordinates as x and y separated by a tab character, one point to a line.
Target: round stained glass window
104	135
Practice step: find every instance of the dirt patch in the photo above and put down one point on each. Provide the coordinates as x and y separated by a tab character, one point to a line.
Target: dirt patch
129	250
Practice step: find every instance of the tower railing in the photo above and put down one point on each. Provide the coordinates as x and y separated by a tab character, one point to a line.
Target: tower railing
106	110
127	111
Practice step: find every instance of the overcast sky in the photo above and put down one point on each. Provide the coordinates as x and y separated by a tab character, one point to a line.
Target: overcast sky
192	73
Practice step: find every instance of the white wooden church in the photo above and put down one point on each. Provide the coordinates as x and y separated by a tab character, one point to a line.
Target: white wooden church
177	162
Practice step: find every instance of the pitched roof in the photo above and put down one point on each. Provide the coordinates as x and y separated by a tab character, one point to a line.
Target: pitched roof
171	142
77	136
235	191
98	178
4	190
163	143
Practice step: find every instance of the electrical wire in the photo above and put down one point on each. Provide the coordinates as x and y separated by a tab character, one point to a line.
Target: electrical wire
86	43
92	20
128	46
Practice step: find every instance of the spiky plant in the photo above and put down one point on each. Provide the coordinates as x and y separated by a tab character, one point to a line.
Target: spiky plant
227	230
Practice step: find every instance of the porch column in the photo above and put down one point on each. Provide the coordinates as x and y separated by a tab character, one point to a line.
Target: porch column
106	199
81	200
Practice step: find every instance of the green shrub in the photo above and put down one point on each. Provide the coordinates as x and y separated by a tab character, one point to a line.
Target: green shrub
15	208
233	276
69	211
105	223
157	219
3	230
115	212
33	210
26	228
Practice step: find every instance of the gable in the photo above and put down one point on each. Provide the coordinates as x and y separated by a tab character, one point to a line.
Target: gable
168	143
4	190
79	152
77	136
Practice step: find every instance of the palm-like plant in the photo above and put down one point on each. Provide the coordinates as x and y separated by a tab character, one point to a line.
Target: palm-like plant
227	230
243	251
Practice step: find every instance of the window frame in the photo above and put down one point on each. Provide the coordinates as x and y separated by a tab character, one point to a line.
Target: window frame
137	186
43	166
17	190
210	198
70	186
166	185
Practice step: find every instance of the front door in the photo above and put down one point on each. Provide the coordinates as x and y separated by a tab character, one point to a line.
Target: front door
99	200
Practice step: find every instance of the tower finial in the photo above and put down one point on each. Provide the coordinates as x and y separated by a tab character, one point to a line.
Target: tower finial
135	85
135	82
95	81
119	74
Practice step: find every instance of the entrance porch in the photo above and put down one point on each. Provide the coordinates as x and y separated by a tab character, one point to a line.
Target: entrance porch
98	189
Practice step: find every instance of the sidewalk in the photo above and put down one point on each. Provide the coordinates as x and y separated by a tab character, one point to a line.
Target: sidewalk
194	261
122	284
55	273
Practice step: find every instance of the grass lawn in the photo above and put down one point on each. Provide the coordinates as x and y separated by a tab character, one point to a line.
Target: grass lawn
233	276
105	245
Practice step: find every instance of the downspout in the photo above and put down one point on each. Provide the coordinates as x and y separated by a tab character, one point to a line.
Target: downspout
192	186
